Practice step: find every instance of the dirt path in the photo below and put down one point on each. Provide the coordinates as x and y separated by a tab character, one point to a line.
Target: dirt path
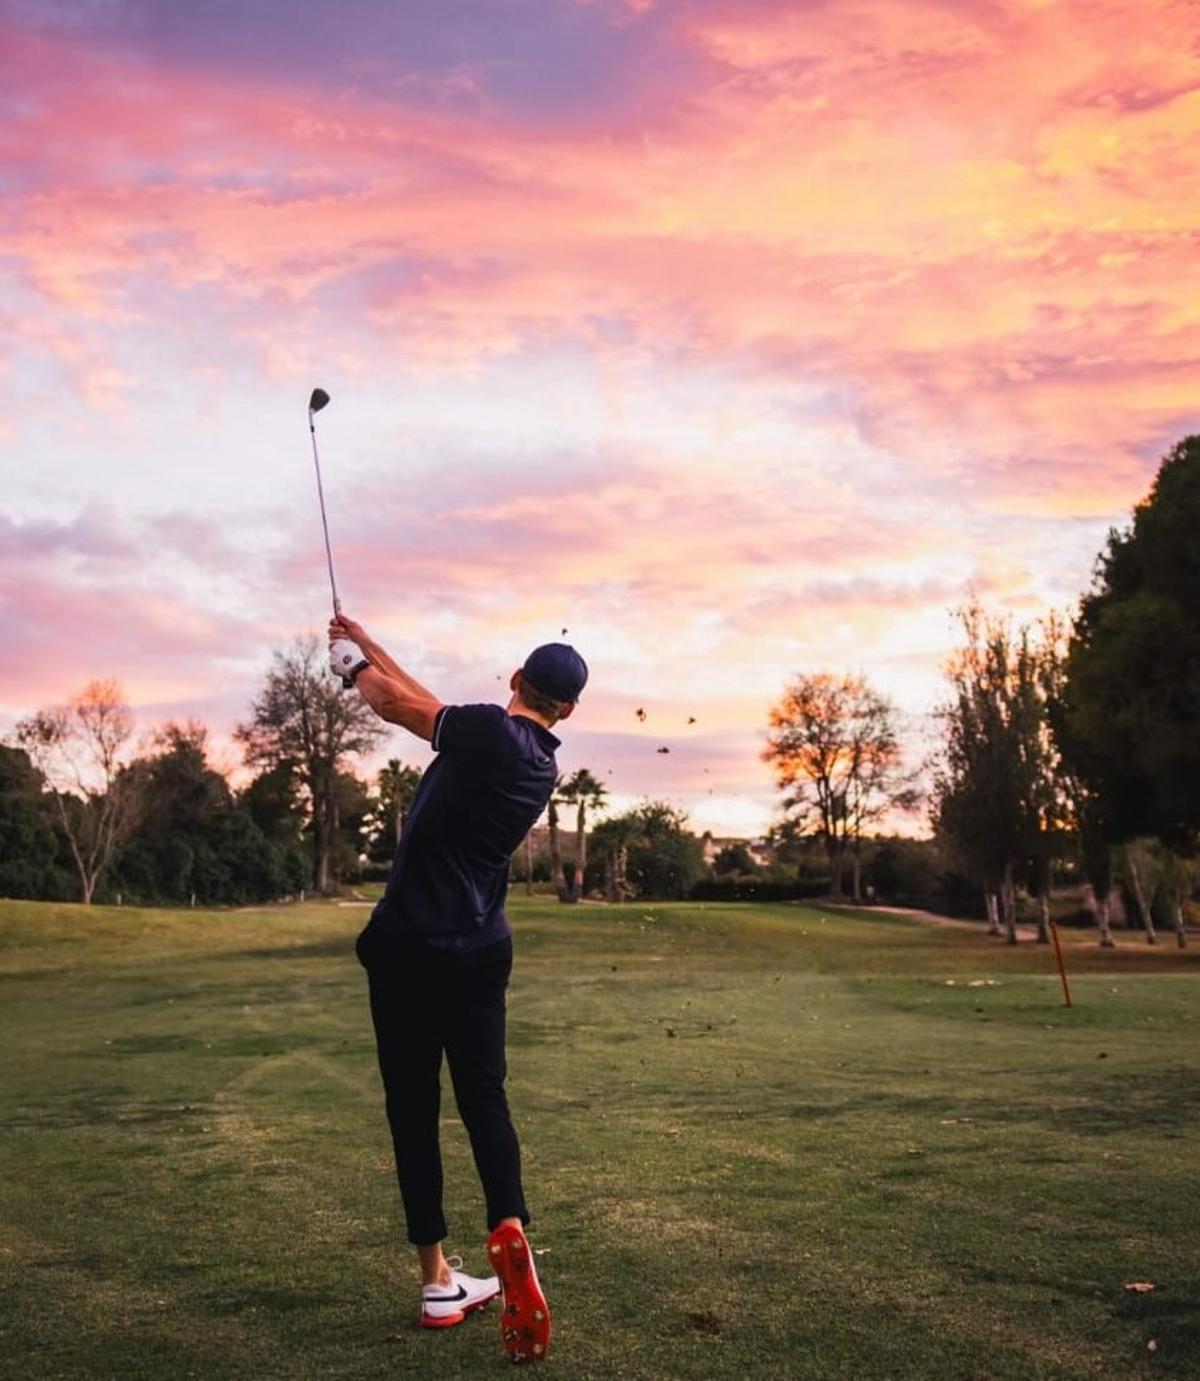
1025	934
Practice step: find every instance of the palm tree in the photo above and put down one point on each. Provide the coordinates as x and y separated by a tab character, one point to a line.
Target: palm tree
397	786
556	871
581	790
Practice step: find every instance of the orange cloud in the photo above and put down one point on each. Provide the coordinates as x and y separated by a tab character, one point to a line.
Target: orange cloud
870	303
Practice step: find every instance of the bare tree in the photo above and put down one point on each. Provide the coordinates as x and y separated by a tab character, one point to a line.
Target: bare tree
833	741
302	716
81	751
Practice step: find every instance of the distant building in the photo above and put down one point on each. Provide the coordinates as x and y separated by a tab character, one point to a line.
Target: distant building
712	844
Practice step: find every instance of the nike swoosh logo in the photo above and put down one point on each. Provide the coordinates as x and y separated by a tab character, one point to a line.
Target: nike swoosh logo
447	1299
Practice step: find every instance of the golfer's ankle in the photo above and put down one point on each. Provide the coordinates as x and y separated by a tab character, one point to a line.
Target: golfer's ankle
435	1269
511	1222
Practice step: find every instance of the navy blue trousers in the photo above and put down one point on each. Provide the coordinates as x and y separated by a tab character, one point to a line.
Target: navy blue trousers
426	1003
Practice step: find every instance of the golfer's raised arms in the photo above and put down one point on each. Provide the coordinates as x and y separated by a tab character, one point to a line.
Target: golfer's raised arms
392	700
341	626
390	691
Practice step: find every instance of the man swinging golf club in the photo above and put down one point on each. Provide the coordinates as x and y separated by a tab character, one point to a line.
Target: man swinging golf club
438	954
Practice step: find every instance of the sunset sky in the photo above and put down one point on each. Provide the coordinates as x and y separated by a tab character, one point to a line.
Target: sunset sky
738	339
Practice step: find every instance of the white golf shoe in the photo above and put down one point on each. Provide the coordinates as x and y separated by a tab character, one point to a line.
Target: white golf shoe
443	1306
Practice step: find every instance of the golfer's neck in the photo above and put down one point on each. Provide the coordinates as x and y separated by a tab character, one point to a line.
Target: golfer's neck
516	706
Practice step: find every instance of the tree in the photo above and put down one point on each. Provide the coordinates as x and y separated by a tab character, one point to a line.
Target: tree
272	798
581	790
1177	881
558	877
81	751
612	839
1141	869
303	717
833	743
395	787
734	859
29	860
355	823
196	840
1088	812
1130	712
650	852
994	793
1043	798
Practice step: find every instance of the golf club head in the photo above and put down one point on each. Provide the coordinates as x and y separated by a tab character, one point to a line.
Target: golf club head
318	400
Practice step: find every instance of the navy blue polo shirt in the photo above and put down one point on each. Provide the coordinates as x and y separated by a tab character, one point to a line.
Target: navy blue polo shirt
477	800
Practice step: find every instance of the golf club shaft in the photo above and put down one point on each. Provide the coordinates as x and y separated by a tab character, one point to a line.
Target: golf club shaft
337	606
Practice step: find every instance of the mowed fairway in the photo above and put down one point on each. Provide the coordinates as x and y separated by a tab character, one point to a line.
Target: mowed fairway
758	1141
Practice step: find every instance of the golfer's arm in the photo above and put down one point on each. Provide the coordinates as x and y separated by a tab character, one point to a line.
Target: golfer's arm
381	661
399	700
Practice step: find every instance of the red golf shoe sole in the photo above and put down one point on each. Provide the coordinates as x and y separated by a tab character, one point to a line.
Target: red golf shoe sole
525	1316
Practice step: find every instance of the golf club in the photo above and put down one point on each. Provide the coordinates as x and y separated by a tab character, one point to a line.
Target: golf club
316	402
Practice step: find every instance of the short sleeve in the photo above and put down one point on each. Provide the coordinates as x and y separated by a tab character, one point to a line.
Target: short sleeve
477	731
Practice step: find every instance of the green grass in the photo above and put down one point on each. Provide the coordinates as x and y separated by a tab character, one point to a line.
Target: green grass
757	1139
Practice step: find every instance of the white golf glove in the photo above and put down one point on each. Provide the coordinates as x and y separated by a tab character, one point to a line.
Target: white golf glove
346	660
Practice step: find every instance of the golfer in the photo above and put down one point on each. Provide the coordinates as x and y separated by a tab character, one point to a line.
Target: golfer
438	954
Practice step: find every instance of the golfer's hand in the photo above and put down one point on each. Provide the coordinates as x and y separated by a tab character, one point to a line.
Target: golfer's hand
346	660
342	627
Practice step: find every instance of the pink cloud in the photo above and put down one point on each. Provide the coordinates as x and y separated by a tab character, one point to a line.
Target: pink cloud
936	264
756	230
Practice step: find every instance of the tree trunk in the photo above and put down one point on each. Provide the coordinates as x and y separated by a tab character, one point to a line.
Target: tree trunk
1099	909
835	856
580	848
321	837
87	882
856	874
556	868
1043	933
1139	893
1106	935
1180	923
570	882
993	912
1008	903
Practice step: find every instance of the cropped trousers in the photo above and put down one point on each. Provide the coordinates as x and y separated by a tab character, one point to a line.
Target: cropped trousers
426	1003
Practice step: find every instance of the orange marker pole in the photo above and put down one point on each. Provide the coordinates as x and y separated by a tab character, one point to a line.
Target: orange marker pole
1062	968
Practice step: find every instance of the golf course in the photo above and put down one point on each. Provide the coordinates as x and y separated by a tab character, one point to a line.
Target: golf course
770	1140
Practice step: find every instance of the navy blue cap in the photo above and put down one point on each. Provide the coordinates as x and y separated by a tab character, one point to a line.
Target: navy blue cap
556	670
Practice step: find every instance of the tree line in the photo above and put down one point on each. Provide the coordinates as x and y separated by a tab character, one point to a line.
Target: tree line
1069	748
87	813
